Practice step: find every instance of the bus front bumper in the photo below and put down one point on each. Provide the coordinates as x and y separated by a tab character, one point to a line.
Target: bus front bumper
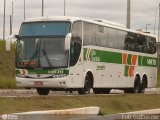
42	83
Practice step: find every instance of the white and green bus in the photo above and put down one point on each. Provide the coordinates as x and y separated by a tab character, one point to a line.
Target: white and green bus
78	54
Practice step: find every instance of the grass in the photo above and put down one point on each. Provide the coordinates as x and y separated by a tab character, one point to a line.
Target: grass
7	66
108	104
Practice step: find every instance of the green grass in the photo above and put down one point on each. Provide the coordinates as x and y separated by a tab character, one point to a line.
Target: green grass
108	104
7	66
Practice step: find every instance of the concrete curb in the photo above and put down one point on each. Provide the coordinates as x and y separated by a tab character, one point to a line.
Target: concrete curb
153	111
153	114
68	114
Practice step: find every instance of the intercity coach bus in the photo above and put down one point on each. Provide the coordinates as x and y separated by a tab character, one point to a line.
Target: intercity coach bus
78	54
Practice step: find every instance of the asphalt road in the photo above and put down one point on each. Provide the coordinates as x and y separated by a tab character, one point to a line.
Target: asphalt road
33	92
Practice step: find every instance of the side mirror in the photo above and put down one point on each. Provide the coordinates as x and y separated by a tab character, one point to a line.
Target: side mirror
8	42
67	41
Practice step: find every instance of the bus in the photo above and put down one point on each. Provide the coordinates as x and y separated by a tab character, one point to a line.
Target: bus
78	54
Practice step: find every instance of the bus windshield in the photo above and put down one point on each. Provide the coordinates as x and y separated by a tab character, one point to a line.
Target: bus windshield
38	48
44	29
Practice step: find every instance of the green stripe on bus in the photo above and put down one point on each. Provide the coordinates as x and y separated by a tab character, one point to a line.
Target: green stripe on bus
147	61
115	57
103	56
129	60
126	70
54	71
140	60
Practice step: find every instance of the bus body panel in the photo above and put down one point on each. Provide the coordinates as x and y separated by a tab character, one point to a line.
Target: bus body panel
119	73
111	75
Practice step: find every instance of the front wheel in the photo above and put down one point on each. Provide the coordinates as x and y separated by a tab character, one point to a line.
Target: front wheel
42	91
87	86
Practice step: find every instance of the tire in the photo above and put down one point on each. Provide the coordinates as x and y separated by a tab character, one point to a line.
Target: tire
137	85
143	86
42	91
136	88
87	86
101	90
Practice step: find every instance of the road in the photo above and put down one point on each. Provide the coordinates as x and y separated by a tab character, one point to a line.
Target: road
32	92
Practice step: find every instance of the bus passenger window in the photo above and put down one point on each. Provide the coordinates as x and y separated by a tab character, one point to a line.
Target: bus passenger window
89	34
151	45
75	51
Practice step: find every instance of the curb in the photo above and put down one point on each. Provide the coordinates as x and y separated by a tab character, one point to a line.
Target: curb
68	114
153	114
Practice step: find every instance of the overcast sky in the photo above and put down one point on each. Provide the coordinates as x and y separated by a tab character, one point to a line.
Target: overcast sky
142	11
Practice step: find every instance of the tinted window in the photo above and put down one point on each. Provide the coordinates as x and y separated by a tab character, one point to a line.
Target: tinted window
45	29
76	43
130	42
89	34
101	36
122	36
112	38
151	45
77	30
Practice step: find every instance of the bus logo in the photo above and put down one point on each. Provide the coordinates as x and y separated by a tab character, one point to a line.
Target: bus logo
91	55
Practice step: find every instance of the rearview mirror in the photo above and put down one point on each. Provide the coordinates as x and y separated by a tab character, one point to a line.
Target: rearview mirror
67	41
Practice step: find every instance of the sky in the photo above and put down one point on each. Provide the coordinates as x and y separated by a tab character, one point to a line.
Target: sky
142	11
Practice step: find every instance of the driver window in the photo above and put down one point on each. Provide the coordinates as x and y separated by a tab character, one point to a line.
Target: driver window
76	42
75	52
20	49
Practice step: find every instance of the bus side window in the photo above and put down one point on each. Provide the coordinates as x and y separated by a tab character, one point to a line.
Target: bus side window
89	34
152	45
75	52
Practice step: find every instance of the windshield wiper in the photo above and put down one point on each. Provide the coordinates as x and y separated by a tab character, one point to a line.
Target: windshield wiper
48	61
34	54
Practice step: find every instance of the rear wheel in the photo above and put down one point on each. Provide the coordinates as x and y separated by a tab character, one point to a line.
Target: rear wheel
42	91
87	86
136	88
143	85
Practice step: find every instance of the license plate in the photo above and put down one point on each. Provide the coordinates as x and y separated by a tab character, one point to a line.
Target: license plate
38	83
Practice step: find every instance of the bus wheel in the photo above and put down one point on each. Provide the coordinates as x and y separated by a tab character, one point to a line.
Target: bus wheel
137	85
42	91
136	88
143	85
101	90
87	86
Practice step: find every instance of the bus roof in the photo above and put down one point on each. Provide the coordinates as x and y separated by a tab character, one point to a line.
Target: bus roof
94	21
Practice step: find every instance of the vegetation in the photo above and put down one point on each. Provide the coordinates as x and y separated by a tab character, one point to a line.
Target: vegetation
158	80
108	104
7	66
